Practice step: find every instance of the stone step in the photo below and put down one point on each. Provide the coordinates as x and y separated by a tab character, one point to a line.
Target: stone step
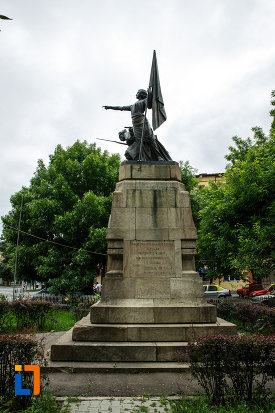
113	367
85	331
68	350
151	314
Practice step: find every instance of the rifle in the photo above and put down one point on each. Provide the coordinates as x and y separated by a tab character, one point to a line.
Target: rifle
109	140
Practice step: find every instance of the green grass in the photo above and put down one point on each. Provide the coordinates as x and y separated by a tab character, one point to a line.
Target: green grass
61	320
249	329
200	404
46	403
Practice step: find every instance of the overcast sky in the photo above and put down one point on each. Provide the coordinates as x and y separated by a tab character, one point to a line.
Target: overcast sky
61	60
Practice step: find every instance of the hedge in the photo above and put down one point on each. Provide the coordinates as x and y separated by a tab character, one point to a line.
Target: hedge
18	349
24	314
256	318
239	364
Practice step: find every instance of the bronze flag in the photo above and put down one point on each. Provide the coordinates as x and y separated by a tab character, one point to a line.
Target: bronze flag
158	111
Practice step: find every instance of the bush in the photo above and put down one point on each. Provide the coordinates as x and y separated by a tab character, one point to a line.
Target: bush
240	364
81	308
269	302
44	403
251	317
5	316
207	364
24	314
250	364
17	349
227	310
31	313
39	314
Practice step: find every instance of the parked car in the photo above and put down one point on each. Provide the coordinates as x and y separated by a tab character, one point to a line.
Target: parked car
41	294
268	290
264	298
248	289
45	293
215	291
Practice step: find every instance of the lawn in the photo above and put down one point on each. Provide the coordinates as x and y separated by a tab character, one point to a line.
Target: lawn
61	320
56	319
200	404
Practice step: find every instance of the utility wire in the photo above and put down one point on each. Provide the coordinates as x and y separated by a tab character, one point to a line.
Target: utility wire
54	242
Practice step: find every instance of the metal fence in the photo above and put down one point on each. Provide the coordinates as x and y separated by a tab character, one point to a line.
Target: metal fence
260	298
219	300
254	300
61	299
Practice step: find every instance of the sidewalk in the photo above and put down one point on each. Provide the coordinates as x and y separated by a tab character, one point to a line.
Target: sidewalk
118	404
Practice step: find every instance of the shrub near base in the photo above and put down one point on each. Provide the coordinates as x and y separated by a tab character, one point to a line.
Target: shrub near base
17	349
256	318
20	314
242	365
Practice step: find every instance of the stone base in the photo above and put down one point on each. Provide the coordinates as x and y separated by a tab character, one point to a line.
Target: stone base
152	298
85	331
153	314
167	341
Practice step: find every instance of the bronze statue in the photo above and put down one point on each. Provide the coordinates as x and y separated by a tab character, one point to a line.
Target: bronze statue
150	149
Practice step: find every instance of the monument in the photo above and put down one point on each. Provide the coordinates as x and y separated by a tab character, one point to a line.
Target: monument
152	300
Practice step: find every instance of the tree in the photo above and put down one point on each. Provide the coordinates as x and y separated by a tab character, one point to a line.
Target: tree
64	217
188	175
5	270
236	220
213	234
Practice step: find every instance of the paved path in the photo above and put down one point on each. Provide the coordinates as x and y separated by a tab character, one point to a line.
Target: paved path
119	405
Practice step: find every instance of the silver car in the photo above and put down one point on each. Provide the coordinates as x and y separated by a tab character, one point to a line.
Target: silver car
213	291
264	297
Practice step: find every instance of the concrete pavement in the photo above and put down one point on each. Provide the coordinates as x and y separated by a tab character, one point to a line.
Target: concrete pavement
118	405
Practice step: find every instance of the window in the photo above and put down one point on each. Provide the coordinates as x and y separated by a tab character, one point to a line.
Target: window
212	288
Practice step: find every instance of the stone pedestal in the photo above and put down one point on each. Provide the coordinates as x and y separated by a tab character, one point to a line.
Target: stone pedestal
152	298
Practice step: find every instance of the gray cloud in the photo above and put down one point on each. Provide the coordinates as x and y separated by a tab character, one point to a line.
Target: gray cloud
61	61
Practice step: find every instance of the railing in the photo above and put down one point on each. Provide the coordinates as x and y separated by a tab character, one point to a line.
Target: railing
237	299
261	298
219	300
61	299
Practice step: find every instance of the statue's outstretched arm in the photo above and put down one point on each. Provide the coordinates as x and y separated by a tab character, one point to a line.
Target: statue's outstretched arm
117	107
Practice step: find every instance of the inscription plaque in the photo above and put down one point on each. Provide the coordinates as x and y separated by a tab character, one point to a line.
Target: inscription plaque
152	259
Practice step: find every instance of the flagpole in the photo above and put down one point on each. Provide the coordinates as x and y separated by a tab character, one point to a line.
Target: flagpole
143	127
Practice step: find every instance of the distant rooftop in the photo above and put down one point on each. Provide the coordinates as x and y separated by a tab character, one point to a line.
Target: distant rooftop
210	174
204	178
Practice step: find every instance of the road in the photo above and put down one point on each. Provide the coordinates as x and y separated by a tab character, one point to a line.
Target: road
8	291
